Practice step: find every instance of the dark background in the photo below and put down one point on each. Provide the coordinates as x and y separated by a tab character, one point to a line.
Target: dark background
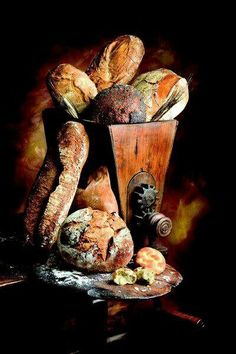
26	42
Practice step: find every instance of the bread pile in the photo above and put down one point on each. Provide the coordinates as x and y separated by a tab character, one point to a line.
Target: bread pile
94	238
156	95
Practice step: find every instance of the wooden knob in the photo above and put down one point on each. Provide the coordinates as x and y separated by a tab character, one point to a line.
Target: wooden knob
160	223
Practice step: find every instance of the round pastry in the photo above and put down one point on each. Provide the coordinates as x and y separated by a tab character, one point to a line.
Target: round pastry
152	259
98	194
118	104
123	276
95	241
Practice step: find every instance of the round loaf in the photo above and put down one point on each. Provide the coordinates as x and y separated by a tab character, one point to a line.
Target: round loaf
150	258
118	104
95	241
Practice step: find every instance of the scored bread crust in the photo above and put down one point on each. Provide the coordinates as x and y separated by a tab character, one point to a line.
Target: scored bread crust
95	241
117	63
165	93
73	147
151	258
39	195
71	88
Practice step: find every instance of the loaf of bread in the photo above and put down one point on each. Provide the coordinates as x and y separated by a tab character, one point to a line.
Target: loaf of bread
118	104
39	195
55	187
70	88
152	259
117	63
95	241
98	193
165	93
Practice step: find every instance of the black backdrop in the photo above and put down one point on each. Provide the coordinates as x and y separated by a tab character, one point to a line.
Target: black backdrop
25	43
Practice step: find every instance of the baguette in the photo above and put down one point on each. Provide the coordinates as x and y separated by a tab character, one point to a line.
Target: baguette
70	88
55	187
73	147
117	63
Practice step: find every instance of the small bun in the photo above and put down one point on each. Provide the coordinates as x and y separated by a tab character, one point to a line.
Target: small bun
150	258
95	241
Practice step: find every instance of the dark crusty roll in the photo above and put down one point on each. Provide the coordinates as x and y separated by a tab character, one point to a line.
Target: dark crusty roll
95	241
56	185
117	63
118	104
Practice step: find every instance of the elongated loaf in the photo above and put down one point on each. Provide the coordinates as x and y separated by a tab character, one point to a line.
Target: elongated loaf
165	93
56	185
73	147
39	195
117	63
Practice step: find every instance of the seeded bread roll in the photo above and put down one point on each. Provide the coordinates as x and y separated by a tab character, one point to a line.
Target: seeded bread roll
95	241
117	63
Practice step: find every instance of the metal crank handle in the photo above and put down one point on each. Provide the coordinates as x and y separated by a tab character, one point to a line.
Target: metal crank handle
160	224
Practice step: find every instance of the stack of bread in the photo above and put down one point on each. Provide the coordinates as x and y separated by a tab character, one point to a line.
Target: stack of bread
95	238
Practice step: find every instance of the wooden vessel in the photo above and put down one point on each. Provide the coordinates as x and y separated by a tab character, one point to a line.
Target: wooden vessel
136	155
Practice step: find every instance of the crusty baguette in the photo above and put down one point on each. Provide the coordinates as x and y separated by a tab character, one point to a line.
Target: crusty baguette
118	104
117	63
39	195
73	147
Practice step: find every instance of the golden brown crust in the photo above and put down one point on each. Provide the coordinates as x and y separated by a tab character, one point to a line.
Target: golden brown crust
73	147
150	258
71	88
117	62
39	195
98	193
118	104
95	241
165	93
